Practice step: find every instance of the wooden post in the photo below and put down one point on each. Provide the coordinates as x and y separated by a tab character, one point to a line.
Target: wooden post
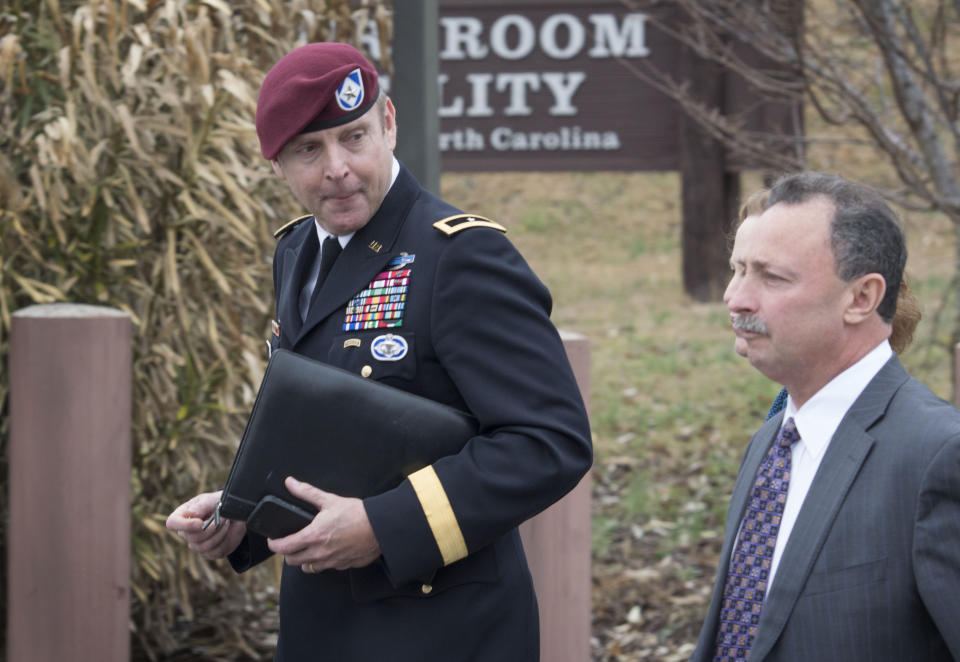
557	544
416	66
70	453
709	193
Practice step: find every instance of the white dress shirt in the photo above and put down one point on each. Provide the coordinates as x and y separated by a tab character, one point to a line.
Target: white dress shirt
817	421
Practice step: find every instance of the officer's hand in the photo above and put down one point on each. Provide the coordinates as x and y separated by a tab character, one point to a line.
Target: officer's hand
339	537
217	541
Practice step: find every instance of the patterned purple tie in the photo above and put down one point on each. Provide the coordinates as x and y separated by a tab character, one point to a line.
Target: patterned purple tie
746	585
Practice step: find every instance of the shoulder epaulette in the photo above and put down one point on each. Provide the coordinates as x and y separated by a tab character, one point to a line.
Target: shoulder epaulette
289	226
453	224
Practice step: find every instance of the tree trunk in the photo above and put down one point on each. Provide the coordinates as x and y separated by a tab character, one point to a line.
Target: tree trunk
710	194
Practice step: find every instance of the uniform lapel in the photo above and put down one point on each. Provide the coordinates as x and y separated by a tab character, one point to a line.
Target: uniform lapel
296	261
366	255
848	450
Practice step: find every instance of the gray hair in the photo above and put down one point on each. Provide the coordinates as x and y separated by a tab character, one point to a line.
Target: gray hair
865	234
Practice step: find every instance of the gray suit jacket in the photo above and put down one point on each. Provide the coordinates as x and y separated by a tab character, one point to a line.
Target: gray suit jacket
871	570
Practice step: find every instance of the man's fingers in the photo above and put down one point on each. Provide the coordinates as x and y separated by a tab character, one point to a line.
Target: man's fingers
296	543
189	516
184	518
306	491
211	538
220	542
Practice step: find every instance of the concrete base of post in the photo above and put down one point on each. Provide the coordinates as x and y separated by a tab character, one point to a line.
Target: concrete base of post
557	544
70	453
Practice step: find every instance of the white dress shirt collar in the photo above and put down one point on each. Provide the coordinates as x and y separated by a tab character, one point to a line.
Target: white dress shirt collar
820	416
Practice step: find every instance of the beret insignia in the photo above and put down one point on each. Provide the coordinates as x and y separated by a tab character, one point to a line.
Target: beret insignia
350	93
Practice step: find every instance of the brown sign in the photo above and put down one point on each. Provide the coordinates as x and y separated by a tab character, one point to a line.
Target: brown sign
554	86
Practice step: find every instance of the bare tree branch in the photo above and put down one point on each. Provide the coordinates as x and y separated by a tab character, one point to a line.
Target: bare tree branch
881	18
862	63
881	68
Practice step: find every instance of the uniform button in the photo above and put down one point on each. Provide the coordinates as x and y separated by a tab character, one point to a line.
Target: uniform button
366	371
425	589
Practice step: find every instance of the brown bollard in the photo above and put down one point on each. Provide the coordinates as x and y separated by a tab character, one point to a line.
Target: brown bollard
557	544
69	536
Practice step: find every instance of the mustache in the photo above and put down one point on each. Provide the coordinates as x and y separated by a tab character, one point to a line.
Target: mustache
751	323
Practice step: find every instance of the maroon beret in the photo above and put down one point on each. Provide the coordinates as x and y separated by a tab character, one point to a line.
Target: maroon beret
313	87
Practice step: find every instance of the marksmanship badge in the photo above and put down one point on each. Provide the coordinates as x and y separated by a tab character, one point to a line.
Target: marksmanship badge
389	347
350	93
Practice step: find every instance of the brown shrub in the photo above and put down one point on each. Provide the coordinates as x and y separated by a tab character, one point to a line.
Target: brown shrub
130	176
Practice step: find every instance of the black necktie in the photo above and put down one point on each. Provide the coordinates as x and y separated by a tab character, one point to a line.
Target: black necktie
329	252
328	255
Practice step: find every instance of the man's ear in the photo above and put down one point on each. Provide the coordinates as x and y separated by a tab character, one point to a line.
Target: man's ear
866	294
390	123
277	168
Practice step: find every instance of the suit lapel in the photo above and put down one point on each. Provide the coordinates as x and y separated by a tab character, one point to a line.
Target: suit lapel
756	449
370	249
848	450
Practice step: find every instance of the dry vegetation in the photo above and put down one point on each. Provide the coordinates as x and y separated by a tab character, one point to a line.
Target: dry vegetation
129	177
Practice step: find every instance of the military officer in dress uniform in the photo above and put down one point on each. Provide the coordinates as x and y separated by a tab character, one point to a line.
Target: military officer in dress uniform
384	279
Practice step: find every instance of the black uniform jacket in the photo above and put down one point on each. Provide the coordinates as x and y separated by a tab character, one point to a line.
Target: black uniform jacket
472	331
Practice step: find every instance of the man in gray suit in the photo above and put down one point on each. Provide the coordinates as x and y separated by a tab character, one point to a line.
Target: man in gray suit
842	539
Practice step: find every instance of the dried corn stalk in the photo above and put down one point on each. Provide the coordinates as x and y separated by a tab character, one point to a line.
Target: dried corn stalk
130	176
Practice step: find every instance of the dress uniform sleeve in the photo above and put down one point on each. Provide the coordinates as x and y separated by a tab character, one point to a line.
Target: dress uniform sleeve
492	333
253	549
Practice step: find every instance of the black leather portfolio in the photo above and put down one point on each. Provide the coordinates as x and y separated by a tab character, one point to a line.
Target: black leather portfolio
336	430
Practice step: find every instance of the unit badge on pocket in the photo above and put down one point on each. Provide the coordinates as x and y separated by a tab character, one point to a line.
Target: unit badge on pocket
389	347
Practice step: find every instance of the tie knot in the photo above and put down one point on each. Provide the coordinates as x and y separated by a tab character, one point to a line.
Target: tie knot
788	434
330	250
